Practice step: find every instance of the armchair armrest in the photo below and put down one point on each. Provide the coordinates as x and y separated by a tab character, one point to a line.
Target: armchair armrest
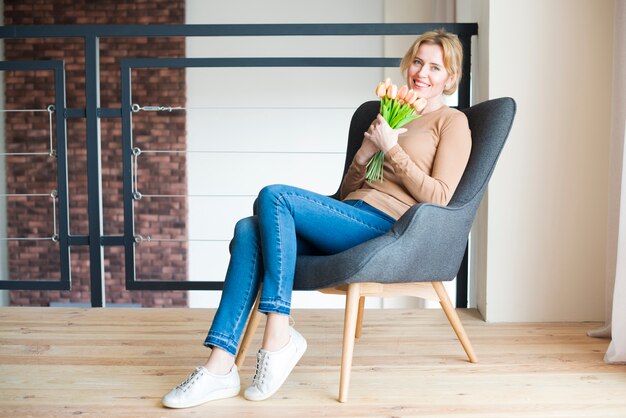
432	239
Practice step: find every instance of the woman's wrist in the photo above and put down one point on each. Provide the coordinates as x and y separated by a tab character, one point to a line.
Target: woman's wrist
388	146
362	159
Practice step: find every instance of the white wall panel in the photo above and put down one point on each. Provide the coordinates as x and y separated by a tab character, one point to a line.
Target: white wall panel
275	125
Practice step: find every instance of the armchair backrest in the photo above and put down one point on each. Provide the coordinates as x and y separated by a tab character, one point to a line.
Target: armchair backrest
362	118
490	123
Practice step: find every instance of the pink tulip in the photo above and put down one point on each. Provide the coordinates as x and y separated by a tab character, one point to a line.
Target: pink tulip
411	96
402	91
387	82
392	91
381	90
419	104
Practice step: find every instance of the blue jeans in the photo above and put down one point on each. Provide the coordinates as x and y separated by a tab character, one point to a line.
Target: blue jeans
289	221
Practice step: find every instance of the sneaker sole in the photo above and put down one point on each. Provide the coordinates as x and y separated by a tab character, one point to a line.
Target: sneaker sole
269	394
213	396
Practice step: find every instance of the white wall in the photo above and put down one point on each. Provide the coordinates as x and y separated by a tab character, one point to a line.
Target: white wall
317	135
547	204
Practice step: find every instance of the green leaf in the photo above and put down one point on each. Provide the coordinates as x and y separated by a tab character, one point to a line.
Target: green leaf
399	116
406	120
385	112
375	167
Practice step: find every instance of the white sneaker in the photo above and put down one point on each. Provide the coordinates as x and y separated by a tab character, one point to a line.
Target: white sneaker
273	367
202	386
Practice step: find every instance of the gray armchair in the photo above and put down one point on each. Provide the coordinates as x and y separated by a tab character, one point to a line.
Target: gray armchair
424	247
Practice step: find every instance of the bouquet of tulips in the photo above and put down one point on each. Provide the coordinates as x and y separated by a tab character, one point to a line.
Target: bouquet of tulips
398	107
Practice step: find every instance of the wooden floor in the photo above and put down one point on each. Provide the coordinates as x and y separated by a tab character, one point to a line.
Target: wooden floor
119	362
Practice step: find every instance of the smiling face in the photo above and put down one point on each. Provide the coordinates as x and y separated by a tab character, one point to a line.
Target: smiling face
428	76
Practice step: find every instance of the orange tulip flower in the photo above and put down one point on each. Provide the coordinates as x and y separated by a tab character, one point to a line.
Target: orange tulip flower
402	91
411	96
420	104
381	90
392	91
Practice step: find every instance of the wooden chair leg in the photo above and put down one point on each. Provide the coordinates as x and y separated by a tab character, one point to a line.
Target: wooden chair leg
359	319
450	312
349	330
253	323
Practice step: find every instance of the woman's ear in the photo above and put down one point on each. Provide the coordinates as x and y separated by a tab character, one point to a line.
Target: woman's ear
450	82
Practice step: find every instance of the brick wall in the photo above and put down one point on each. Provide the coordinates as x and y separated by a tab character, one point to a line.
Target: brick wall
28	132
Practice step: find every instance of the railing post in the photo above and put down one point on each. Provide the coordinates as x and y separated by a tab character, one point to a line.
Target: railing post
462	277
94	169
464	86
62	176
127	174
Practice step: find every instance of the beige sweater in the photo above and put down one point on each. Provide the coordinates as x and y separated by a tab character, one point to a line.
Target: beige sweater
424	167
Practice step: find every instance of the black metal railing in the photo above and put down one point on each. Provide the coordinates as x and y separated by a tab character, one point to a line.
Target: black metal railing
96	240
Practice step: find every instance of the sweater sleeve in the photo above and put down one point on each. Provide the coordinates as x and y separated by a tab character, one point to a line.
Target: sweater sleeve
353	180
451	157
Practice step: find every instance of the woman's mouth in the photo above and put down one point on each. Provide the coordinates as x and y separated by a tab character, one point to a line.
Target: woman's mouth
420	84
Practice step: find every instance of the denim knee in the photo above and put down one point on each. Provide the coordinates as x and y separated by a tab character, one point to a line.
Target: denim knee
246	226
270	194
245	229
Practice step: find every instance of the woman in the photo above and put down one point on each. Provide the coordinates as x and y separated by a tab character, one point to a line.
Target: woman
423	163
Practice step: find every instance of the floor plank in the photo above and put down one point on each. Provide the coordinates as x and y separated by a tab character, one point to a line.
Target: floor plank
60	362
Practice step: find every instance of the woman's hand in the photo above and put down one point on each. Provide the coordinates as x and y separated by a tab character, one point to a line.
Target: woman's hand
379	137
367	150
382	135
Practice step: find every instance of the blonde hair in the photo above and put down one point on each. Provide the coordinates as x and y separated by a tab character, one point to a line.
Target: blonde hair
452	54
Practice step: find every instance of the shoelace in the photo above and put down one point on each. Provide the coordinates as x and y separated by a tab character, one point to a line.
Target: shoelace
192	378
261	368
